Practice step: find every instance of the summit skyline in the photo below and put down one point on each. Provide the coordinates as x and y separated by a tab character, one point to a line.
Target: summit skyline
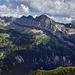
58	10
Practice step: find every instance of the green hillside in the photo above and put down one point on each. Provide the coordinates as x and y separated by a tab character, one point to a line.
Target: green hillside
11	40
57	71
21	53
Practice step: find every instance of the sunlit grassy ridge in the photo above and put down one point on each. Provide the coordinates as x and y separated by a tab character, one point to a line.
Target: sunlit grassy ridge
57	71
5	44
4	39
11	40
27	49
43	38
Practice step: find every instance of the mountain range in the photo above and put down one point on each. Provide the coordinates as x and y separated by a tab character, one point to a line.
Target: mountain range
28	43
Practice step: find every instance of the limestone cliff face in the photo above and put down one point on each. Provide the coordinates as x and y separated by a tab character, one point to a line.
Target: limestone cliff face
60	51
43	22
62	32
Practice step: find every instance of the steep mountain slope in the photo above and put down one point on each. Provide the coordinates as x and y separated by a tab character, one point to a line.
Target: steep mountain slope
44	23
29	43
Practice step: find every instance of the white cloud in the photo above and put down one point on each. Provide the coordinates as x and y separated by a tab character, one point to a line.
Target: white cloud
4	10
57	8
35	15
10	11
69	19
25	9
8	1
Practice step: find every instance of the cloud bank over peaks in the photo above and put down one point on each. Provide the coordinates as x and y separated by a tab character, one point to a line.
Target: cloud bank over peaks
63	9
13	10
59	10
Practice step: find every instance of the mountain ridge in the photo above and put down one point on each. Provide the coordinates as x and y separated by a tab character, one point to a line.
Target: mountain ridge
45	23
29	43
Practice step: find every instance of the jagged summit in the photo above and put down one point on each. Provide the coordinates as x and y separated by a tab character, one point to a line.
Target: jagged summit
37	18
37	42
42	21
23	16
30	17
42	16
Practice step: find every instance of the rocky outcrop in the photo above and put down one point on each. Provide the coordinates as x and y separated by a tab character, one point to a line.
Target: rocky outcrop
44	23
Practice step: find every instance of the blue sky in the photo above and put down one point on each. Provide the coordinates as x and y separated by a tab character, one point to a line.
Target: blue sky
59	10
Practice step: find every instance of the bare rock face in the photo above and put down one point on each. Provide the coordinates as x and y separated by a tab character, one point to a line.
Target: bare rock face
5	21
42	22
60	51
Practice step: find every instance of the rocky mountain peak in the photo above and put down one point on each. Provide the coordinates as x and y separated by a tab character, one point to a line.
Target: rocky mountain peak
36	41
30	17
42	18
23	17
